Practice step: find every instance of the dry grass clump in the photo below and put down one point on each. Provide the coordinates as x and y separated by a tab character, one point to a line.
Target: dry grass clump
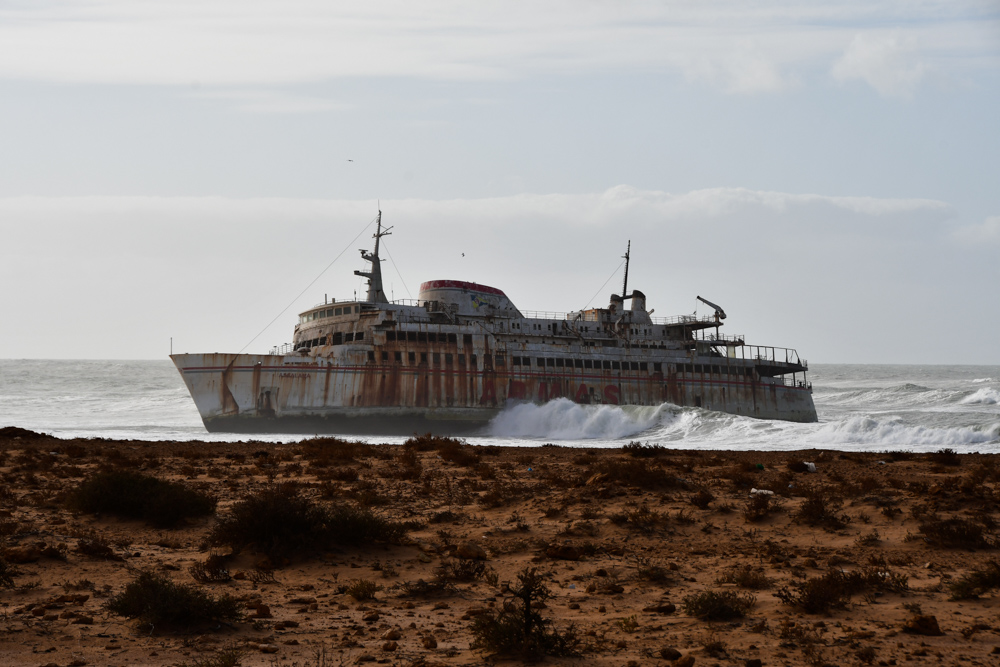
640	451
956	534
362	589
758	507
517	628
719	605
745	576
835	588
212	571
160	604
134	495
946	457
977	582
702	499
638	473
279	522
821	510
324	452
7	574
640	518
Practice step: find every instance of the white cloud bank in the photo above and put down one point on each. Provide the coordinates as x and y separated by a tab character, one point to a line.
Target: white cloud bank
889	63
986	233
738	46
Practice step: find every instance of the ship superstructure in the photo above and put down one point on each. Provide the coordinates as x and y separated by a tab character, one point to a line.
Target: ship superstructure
452	359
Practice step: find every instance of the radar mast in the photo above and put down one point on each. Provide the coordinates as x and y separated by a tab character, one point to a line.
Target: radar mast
375	292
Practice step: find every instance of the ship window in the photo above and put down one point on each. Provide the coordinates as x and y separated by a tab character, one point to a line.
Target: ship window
397	357
385	356
578	363
360	335
501	360
657	367
697	368
461	360
448	359
467	339
540	362
423	357
355	309
515	361
550	362
472	360
635	365
559	363
587	363
431	338
411	357
411	336
338	338
437	358
452	338
338	311
348	337
421	337
607	365
390	336
371	356
616	366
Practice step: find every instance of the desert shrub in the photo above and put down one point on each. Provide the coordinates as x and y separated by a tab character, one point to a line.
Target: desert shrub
517	628
279	521
93	544
324	452
642	519
457	452
653	571
956	534
820	510
701	499
231	656
977	582
7	574
757	508
744	576
464	569
835	588
946	457
158	603
638	450
362	589
502	493
872	539
637	473
719	605
212	571
134	495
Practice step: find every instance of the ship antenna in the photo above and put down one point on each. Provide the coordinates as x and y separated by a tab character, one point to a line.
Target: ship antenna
625	284
375	292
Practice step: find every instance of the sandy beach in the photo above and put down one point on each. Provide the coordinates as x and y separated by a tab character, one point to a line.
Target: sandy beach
640	555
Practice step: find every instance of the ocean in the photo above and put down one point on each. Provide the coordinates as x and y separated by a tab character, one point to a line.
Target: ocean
861	407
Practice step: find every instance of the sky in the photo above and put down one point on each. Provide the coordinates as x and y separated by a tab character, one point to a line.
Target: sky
828	172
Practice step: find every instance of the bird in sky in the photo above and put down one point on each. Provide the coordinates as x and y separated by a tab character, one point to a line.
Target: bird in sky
350	160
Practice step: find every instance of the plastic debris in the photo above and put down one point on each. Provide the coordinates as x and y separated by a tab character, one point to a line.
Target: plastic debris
761	492
810	466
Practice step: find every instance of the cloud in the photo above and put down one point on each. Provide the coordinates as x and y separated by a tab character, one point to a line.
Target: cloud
270	101
736	46
986	233
889	63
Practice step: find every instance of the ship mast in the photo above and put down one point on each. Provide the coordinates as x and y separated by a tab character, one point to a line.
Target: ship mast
375	292
625	284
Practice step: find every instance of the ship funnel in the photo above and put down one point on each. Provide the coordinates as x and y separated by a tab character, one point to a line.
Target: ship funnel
638	301
617	305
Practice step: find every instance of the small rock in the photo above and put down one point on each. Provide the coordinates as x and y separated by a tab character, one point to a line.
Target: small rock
471	551
923	625
392	634
669	653
390	646
83	620
574	605
563	552
268	648
685	661
753	662
662	608
366	657
370	617
429	642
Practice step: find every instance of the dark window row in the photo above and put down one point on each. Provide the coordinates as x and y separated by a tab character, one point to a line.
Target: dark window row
338	338
436	358
715	369
329	312
556	362
423	337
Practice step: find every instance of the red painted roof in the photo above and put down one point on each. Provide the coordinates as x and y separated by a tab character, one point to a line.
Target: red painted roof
460	284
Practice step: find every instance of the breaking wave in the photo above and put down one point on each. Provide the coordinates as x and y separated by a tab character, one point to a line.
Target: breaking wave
984	396
562	419
865	430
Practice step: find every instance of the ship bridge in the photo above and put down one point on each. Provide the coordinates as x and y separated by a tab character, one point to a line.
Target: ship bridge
469	299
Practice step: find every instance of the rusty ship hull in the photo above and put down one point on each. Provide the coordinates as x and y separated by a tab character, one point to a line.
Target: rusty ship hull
451	360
